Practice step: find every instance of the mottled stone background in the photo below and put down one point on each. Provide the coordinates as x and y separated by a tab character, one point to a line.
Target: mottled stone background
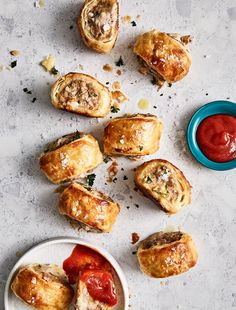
28	202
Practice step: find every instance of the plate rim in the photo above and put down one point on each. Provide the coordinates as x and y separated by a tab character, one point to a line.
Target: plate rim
202	113
70	240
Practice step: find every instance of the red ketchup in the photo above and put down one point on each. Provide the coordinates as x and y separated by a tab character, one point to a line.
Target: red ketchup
100	285
94	270
216	137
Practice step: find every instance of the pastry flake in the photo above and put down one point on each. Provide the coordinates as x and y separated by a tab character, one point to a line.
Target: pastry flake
98	24
164	55
134	135
43	287
164	183
165	254
81	94
93	209
70	156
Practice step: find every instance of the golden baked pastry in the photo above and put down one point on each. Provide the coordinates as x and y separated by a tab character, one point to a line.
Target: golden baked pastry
164	55
94	209
81	94
43	287
70	157
98	24
133	136
164	183
165	254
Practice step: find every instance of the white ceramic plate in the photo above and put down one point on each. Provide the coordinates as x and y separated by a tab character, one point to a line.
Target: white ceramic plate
55	251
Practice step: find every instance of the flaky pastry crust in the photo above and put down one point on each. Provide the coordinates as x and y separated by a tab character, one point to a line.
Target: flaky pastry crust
164	183
88	206
43	287
134	135
70	157
98	24
81	94
164	55
167	254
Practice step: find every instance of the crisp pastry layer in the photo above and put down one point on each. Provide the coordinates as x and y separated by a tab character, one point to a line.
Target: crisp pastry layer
165	254
92	208
164	183
81	94
165	55
98	24
134	135
43	287
70	157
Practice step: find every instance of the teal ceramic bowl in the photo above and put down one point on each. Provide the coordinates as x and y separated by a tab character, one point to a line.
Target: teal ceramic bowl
212	108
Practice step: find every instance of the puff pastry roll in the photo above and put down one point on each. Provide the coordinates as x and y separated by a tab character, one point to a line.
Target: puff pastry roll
98	24
81	94
93	209
133	136
43	287
165	254
164	55
164	183
70	157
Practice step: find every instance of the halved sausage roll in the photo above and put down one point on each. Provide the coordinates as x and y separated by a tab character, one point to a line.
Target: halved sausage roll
133	136
164	55
93	209
164	183
43	287
165	254
70	157
98	24
81	94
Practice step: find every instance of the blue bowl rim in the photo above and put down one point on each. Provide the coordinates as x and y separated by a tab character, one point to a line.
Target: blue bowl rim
218	107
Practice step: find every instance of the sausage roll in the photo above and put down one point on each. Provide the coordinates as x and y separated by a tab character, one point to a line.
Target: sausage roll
82	94
164	55
133	136
98	24
94	209
166	254
164	183
43	287
70	157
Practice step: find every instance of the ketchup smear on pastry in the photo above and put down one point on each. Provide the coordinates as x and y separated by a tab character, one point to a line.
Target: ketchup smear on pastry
94	270
216	137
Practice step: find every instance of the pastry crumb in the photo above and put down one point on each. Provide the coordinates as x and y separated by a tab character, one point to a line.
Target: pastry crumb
116	85
186	39
119	97
49	65
15	53
118	72
126	19
134	238
112	171
81	67
143	70
107	68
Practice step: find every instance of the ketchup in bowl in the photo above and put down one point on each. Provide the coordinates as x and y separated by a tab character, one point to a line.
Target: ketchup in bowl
95	271
216	137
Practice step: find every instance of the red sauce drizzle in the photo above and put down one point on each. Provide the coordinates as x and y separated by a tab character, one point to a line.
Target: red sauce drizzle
94	270
216	137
